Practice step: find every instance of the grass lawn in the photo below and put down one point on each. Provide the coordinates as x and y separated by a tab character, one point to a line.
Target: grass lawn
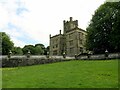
0	78
69	74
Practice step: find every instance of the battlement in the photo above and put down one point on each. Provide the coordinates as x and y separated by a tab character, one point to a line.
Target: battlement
69	25
71	19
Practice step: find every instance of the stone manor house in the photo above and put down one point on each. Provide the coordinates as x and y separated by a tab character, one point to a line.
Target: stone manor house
71	42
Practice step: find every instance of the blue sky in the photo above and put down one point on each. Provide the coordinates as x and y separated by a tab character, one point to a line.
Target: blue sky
31	21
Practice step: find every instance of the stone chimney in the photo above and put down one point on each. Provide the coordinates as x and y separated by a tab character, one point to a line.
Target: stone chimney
50	35
70	18
60	31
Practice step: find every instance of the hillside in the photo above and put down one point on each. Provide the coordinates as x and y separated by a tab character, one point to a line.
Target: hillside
69	74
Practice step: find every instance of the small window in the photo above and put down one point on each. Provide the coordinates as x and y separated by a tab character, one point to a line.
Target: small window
56	45
55	52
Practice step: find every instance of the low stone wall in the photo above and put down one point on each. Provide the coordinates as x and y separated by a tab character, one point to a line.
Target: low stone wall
99	56
114	55
15	61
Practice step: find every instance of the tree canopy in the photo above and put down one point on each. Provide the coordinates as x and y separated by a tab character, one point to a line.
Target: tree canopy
17	51
104	29
7	44
38	49
27	48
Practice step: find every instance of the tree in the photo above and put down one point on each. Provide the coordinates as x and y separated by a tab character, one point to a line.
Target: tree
46	50
7	44
27	48
17	51
104	29
41	45
39	49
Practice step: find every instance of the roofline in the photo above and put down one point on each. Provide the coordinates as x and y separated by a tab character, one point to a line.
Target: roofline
56	35
76	28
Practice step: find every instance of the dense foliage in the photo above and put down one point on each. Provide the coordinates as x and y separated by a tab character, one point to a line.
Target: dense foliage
104	29
38	49
7	44
17	51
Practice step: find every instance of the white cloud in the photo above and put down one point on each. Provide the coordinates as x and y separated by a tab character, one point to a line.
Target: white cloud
18	42
10	20
40	18
3	17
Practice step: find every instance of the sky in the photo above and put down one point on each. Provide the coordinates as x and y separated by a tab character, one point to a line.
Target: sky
31	21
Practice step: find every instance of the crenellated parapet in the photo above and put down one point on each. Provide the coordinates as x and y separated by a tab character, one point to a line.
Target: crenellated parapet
69	25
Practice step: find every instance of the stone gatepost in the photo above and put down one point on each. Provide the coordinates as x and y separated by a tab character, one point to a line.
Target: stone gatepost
76	56
47	55
106	54
64	55
28	54
88	54
9	54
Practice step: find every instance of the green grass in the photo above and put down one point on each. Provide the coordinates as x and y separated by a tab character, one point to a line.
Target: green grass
0	78
69	74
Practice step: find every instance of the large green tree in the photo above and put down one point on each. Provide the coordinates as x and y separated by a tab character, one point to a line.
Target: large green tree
104	29
27	48
39	49
17	51
7	44
41	45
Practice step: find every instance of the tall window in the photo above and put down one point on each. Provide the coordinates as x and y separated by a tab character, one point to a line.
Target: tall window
72	50
56	40
56	45
72	26
70	36
53	42
80	41
80	35
71	42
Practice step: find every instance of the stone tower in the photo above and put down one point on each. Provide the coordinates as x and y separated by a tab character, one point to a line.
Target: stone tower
69	25
72	41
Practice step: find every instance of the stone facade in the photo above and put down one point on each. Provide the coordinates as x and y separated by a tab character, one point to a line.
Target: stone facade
72	41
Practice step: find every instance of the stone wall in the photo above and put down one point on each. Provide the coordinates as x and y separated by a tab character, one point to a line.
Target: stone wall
99	56
15	61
